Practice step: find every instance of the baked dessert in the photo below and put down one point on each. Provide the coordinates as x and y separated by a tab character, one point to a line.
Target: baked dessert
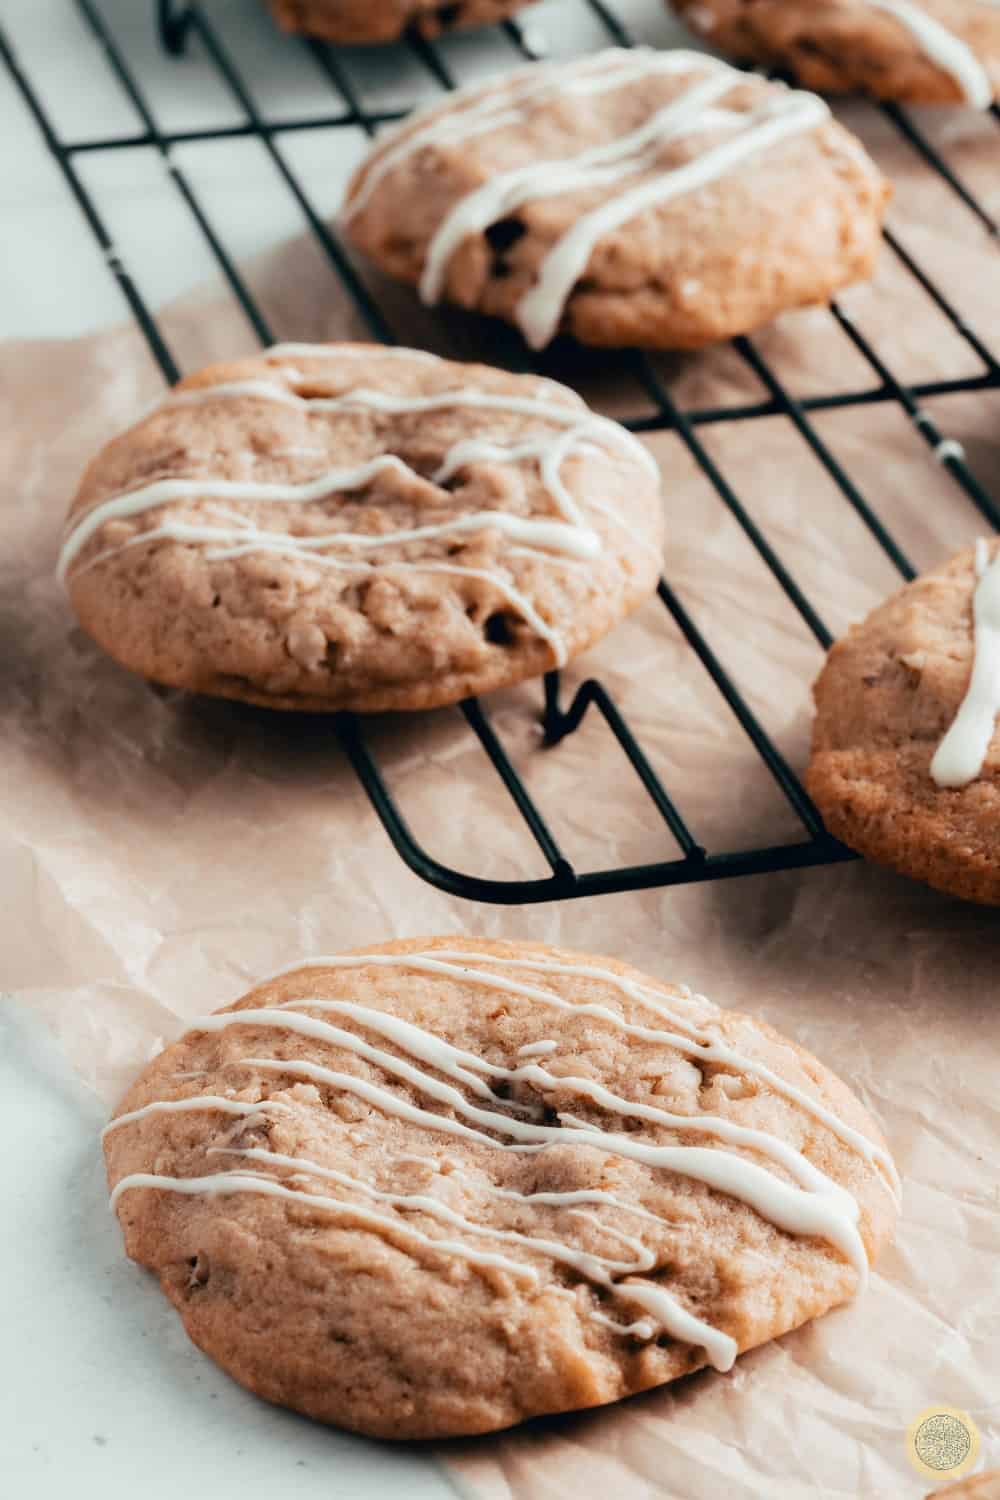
659	199
905	761
347	526
351	21
448	1184
914	51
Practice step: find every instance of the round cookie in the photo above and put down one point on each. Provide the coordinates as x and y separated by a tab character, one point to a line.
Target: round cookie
914	51
350	21
352	527
658	199
891	691
445	1185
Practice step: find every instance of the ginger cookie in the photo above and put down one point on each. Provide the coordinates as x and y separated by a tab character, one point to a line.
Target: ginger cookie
905	761
352	527
445	1185
914	51
658	199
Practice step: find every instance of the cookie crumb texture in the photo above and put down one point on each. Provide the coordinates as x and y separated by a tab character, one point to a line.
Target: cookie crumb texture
450	1184
527	528
888	693
640	198
357	21
840	46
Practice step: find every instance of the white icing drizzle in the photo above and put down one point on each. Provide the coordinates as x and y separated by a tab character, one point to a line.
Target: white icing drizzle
540	310
224	1183
812	1204
643	1328
960	756
696	1044
468	113
681	1324
569	537
562	414
458	1064
589	1264
598	166
604	165
790	1208
338	352
944	49
194	1102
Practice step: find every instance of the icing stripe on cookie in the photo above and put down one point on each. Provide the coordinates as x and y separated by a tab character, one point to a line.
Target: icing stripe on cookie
540	310
469	113
579	431
670	1315
827	1211
450	1090
600	166
944	49
961	754
696	1043
194	1102
245	1182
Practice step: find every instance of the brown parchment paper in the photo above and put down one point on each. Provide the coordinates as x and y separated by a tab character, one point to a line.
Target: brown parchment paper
159	853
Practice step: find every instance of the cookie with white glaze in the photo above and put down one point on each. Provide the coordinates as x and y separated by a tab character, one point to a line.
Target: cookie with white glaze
353	21
905	761
349	527
913	51
445	1185
659	199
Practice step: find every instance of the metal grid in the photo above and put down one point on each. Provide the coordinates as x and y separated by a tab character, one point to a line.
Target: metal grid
180	22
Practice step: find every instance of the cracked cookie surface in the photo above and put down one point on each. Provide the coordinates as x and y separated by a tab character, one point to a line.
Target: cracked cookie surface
444	1185
657	199
348	527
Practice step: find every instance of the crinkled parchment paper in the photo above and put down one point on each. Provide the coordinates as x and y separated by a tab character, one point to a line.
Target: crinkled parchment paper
161	853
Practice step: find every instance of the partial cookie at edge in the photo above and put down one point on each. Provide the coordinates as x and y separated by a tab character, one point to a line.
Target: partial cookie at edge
888	693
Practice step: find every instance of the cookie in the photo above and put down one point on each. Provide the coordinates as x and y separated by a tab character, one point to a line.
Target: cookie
658	199
352	527
905	761
445	1185
914	51
384	20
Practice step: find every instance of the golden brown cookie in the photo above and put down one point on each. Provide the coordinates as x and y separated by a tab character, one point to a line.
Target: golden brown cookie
350	527
890	692
350	21
449	1184
659	199
918	51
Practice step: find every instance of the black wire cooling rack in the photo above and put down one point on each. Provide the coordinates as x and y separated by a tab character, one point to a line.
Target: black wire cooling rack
181	23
